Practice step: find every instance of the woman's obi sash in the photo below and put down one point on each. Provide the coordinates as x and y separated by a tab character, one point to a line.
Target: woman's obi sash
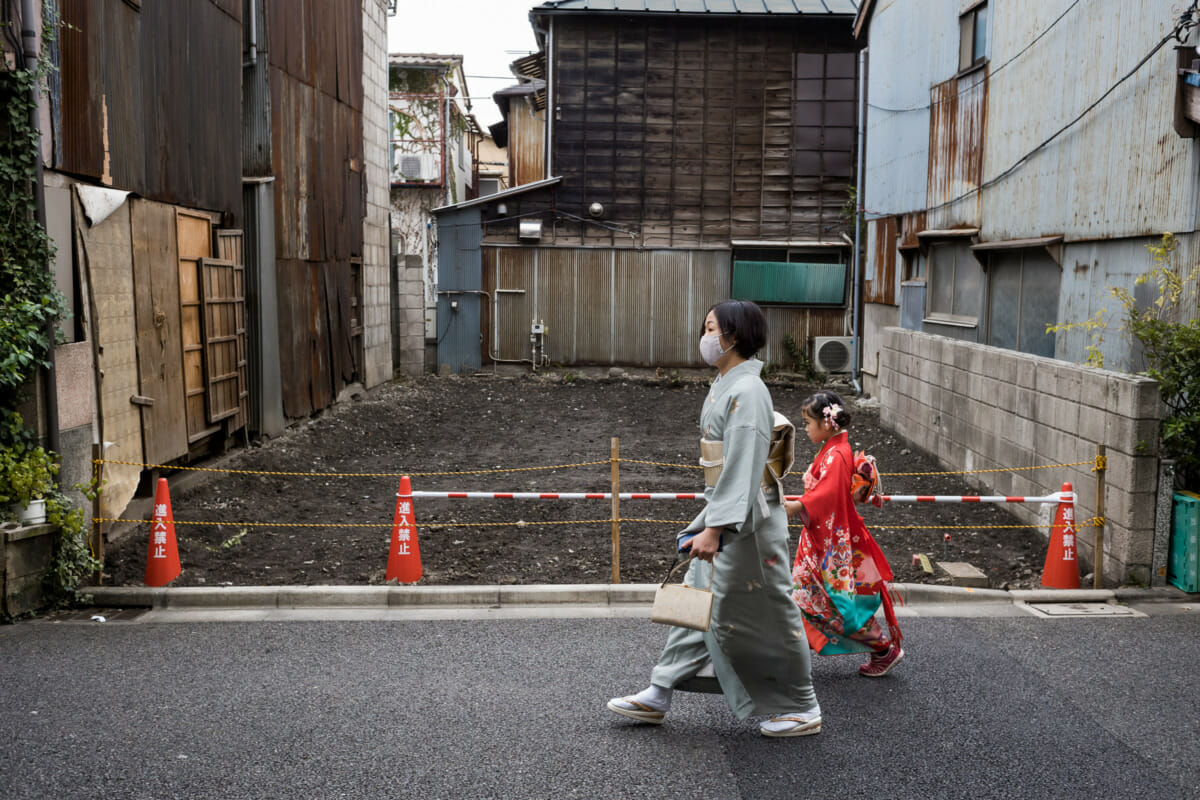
780	456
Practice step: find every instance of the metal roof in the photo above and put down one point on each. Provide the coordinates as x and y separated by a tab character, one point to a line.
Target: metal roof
715	7
424	59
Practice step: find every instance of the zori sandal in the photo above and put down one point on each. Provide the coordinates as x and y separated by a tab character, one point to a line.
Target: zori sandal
791	725
628	707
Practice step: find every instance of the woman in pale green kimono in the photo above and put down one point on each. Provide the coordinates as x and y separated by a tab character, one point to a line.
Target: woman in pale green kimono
755	643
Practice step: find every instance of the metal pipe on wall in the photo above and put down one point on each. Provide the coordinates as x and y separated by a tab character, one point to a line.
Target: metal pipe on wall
29	46
855	316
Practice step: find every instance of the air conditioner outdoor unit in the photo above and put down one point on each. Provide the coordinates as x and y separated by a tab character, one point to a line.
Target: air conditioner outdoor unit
833	353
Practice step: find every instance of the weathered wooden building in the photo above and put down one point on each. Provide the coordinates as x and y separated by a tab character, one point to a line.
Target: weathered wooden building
688	153
215	185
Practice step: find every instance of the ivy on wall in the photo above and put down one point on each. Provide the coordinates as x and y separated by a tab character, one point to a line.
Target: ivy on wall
30	308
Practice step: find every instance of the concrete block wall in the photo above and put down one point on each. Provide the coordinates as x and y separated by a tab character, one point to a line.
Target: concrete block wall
408	315
980	408
377	335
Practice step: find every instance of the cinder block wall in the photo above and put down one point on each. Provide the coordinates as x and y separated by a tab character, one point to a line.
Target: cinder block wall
377	334
979	408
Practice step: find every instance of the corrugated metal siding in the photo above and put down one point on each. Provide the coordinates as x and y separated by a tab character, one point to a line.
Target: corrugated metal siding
881	257
256	104
526	142
459	302
317	159
956	143
633	307
151	99
1131	174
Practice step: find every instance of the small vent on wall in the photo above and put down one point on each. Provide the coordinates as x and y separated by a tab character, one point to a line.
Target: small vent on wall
832	353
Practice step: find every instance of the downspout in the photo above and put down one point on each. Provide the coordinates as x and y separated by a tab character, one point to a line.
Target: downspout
550	100
253	59
856	317
49	375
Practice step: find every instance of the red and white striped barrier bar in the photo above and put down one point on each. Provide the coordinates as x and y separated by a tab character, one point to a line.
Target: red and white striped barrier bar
1057	497
561	495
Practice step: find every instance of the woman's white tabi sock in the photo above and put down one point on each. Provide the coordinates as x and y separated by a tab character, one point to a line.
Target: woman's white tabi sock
657	697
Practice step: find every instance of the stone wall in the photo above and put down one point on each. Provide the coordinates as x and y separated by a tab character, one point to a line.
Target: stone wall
377	344
981	408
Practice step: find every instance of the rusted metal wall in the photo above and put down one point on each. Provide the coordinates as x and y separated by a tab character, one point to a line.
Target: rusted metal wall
526	141
880	285
151	99
1129	173
693	132
956	142
620	306
317	156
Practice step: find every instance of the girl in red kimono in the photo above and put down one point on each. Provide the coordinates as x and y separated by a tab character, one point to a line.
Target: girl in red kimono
840	577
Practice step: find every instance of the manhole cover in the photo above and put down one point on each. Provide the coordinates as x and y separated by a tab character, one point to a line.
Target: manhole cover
1082	610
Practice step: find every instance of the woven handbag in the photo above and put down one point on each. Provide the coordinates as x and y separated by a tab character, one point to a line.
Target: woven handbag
680	605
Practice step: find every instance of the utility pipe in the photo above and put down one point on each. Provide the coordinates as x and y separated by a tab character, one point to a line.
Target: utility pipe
856	323
29	44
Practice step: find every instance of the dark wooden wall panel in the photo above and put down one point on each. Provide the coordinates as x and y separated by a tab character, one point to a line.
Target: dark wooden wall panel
690	131
317	156
151	99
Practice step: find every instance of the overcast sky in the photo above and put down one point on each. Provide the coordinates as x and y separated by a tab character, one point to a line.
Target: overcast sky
484	32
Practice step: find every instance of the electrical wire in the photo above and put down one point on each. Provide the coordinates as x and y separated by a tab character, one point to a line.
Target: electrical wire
991	74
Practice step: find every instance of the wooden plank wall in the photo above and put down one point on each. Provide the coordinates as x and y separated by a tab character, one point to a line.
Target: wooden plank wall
151	99
159	342
317	153
696	132
105	252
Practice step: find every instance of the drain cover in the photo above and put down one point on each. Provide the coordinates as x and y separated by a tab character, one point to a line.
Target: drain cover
1082	610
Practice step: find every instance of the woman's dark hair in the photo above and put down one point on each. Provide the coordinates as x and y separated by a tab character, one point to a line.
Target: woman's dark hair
816	404
743	322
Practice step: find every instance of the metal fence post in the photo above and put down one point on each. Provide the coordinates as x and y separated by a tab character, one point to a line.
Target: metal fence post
615	458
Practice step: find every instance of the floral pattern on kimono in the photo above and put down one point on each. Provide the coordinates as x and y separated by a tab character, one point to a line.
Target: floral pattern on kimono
840	576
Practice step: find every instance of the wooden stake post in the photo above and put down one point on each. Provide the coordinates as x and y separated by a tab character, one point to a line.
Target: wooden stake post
97	528
616	509
1098	544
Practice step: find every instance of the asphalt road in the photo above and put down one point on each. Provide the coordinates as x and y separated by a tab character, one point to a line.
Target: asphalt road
1007	707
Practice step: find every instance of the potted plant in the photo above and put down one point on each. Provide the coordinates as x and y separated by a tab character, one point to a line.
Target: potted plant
27	476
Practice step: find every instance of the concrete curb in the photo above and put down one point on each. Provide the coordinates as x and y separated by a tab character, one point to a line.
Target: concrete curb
201	597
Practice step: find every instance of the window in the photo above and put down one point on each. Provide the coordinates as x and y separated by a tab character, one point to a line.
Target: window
913	266
972	37
1022	289
824	87
955	284
793	277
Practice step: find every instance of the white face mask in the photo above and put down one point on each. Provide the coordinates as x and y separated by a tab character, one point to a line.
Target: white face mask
710	348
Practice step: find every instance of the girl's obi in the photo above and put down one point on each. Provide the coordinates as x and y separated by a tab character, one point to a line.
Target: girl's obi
780	456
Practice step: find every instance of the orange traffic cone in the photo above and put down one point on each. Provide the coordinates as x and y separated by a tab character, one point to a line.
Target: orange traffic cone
404	556
162	556
1062	566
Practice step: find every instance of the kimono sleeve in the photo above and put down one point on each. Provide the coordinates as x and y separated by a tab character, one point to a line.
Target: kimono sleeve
828	496
746	441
